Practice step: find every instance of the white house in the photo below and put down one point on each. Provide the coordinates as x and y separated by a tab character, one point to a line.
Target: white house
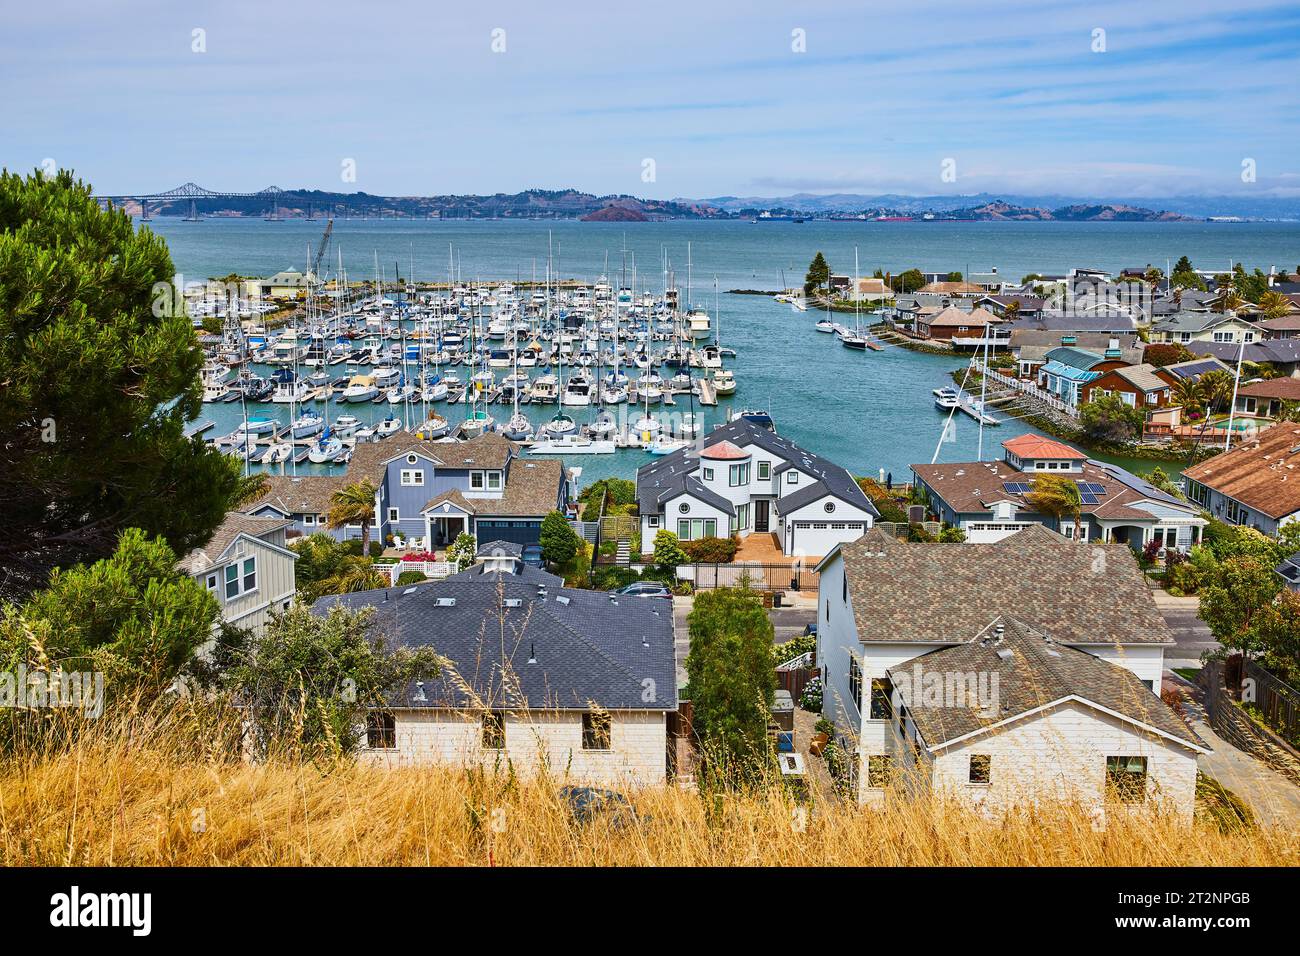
247	568
1013	718
884	603
578	683
744	479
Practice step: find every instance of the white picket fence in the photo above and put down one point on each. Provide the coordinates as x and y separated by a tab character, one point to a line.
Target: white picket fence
434	570
1027	388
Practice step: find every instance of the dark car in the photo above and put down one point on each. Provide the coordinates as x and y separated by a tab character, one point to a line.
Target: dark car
533	555
586	803
644	589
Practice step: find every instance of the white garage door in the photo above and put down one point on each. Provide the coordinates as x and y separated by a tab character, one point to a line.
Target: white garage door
817	538
987	532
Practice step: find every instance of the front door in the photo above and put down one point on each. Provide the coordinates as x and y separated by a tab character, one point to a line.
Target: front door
760	514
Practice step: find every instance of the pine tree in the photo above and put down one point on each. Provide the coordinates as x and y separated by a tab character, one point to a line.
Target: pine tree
101	375
819	274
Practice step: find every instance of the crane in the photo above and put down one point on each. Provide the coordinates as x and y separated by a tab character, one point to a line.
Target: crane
320	249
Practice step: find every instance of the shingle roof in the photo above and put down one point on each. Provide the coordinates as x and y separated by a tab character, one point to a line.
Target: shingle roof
224	536
1287	389
1263	473
1033	671
1143	377
587	650
936	593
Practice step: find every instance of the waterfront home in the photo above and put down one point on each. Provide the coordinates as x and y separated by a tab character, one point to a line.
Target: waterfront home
246	566
1029	347
745	479
953	289
1076	323
1282	354
884	604
1067	369
1265	398
962	329
1184	327
1255	483
1027	306
288	284
538	677
1289	570
1138	386
870	290
988	500
430	492
1285	327
1014	718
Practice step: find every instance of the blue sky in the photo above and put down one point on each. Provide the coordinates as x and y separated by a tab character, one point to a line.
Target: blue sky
413	93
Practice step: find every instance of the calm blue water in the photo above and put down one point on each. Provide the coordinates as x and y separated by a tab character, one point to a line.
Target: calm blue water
867	411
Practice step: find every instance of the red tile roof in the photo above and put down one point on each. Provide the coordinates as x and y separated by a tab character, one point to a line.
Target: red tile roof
1036	446
724	451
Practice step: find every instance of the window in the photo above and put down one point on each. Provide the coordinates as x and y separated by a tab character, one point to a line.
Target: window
708	474
764	470
381	731
692	529
410	459
738	475
494	730
476	480
412	477
1126	779
238	583
882	692
393	514
596	731
684	507
879	770
309	519
792	477
980	766
829	506
250	574
494	480
232	581
212	582
653	521
855	683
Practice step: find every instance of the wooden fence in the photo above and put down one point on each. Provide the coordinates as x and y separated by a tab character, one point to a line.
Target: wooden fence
759	576
434	570
1226	683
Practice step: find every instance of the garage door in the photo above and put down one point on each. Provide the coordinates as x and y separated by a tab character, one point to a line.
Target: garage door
516	532
987	532
817	538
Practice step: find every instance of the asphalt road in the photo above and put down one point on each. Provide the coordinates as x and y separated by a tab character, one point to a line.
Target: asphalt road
1191	635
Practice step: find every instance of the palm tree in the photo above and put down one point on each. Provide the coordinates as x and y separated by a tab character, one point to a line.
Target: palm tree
1289	412
353	504
1187	393
355	574
1058	498
1216	386
1274	305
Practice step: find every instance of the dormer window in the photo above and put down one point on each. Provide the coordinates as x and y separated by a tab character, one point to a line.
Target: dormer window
494	480
476	480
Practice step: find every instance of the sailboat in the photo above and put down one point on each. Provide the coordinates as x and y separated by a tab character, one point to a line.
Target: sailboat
519	428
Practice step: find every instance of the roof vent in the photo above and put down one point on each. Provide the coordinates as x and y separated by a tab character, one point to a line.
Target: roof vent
511	602
1005	653
532	653
409	591
444	602
561	599
419	695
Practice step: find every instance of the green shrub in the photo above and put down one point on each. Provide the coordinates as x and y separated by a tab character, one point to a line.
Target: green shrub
606	579
791	649
410	577
711	550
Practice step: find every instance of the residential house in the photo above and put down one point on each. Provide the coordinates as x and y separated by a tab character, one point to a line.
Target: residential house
952	288
1076	323
1289	570
1265	398
288	284
746	479
582	688
1067	369
429	492
1183	328
963	329
1138	386
1014	718
1037	585
1030	346
1253	484
1282	354
247	568
988	500
1026	306
1285	327
870	290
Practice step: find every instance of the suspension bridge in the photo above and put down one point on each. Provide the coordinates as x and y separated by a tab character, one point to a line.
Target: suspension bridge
191	193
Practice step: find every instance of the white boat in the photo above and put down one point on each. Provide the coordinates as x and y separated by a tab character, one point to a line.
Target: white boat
360	388
612	394
478	422
324	449
571	445
404	393
559	426
577	392
306	425
345	426
603	426
290	391
364	434
647	428
434	390
278	452
388	426
724	382
435	426
946	398
545	389
519	428
663	445
699	324
687	426
386	375
258	425
824	325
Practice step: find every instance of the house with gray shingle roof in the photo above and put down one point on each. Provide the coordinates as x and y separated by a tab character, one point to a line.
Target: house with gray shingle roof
247	567
744	479
1014	717
884	602
578	683
429	492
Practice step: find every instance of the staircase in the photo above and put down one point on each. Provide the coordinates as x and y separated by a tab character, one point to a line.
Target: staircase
623	555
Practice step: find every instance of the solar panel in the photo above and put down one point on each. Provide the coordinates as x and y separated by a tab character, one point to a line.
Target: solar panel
1088	499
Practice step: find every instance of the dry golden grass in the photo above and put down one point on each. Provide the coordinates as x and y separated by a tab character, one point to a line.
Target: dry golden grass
139	802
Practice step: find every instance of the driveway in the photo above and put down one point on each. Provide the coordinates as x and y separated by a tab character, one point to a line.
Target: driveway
1191	635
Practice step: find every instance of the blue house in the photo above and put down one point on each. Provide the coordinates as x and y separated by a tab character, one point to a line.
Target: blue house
428	492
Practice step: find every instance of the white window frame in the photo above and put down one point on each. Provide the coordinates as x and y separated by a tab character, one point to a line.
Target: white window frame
493	481
412	478
482	481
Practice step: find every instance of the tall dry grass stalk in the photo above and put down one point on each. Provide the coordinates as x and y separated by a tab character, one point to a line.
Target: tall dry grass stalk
172	795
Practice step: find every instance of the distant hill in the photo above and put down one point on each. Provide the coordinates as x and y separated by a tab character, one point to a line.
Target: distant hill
1096	212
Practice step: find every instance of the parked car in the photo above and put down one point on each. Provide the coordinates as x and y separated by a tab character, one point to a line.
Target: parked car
645	589
532	555
586	803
